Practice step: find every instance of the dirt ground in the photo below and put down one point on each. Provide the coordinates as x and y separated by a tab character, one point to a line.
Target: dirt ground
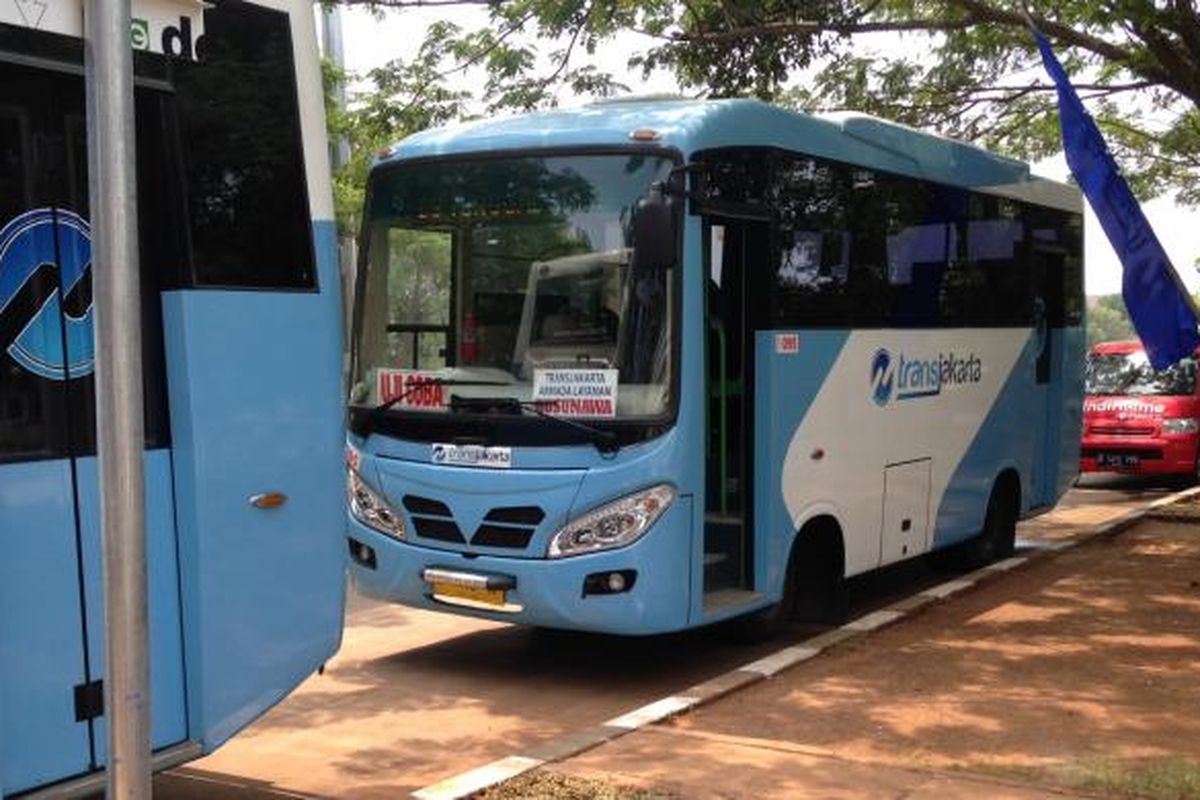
1077	674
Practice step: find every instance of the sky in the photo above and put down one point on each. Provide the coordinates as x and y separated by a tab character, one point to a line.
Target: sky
371	42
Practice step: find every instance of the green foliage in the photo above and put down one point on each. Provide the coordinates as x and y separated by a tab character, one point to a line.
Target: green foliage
404	97
966	68
1107	320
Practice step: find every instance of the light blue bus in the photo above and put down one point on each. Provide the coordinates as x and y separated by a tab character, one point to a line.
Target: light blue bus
643	366
244	415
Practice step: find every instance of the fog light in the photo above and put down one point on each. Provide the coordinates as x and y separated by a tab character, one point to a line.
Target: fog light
363	554
616	582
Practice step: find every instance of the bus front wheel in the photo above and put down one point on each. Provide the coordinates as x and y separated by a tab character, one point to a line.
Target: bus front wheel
820	574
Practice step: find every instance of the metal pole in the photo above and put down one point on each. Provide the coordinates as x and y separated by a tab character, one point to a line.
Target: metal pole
113	200
333	48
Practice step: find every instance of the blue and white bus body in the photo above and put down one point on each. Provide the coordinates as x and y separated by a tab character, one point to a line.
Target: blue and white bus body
242	377
850	425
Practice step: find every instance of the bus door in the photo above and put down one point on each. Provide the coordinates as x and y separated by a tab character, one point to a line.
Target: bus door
736	251
51	597
1047	266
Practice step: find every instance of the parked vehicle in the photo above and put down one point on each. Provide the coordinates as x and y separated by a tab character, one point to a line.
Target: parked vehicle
644	366
241	330
1137	420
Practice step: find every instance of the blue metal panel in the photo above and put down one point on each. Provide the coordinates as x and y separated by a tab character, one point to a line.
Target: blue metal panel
1067	405
41	639
551	591
167	702
1006	438
470	495
783	392
692	125
254	383
594	479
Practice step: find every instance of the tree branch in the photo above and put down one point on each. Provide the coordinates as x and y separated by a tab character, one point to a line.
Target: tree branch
412	3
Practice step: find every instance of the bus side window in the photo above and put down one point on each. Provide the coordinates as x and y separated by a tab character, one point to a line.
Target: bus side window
14	160
239	123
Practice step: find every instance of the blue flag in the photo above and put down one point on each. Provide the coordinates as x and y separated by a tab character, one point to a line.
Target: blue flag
1157	306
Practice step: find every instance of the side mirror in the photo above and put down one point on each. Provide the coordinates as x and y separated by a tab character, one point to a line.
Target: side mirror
654	236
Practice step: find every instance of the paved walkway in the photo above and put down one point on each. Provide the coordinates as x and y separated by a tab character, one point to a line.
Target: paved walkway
416	697
1064	677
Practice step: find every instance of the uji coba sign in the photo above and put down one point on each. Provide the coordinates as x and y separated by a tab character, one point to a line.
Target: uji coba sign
158	26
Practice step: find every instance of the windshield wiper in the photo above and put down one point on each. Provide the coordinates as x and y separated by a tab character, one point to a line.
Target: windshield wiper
372	416
605	441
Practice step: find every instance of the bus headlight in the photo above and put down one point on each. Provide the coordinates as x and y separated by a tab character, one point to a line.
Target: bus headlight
370	509
614	524
1181	425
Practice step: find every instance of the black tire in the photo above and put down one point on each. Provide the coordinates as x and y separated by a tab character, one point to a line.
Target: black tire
767	623
821	587
998	538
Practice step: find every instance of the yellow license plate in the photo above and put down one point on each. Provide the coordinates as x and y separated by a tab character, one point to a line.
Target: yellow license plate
488	597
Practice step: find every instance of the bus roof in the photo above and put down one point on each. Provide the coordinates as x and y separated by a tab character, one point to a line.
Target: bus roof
690	126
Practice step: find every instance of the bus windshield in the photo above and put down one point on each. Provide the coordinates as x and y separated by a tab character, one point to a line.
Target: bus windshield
511	278
1131	374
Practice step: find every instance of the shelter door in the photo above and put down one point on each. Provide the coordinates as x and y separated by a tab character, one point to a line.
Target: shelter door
51	594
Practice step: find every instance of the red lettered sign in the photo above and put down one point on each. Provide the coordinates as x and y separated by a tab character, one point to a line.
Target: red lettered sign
418	389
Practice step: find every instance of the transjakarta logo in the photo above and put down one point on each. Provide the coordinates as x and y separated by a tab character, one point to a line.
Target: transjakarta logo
905	378
51	341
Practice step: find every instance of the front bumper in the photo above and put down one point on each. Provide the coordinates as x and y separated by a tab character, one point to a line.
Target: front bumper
549	592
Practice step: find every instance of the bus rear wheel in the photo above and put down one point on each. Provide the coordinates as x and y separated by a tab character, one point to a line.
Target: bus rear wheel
998	538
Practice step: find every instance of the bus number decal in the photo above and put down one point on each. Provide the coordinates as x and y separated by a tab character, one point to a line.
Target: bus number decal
787	344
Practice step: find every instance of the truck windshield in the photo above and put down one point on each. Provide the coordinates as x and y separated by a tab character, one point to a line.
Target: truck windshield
1131	374
513	277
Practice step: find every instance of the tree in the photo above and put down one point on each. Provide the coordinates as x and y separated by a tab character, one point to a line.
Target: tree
404	97
966	68
1108	321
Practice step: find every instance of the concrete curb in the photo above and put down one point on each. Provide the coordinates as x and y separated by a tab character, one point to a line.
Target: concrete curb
468	783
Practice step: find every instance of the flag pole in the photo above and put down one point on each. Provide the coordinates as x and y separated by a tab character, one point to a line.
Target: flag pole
119	401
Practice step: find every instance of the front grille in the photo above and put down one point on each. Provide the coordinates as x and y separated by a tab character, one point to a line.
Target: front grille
509	527
423	505
445	530
1119	430
432	519
502	536
516	515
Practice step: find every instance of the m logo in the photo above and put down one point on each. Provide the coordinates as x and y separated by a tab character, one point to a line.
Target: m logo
52	342
883	375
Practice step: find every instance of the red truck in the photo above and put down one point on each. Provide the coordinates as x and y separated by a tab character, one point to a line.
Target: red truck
1137	420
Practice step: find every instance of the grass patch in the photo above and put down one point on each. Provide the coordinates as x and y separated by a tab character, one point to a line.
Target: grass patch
1174	778
1160	779
541	785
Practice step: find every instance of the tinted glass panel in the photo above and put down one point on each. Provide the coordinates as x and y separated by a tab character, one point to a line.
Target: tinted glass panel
45	268
511	272
1131	374
240	126
860	248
